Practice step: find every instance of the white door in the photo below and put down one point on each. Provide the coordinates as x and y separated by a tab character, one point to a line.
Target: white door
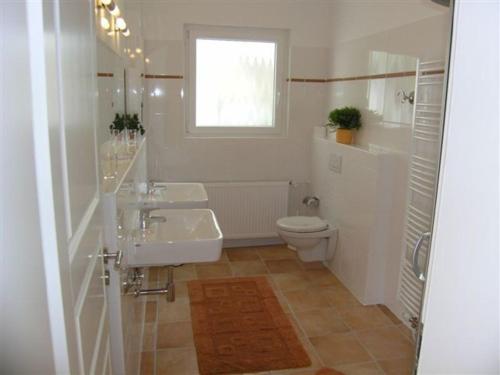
461	315
55	42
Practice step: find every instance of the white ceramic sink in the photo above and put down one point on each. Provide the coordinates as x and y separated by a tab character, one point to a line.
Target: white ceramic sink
169	195
187	236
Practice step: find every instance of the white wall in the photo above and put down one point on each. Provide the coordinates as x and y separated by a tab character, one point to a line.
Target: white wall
461	316
403	32
174	157
364	201
25	334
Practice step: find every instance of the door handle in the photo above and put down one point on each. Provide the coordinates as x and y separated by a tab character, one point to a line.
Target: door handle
118	257
416	251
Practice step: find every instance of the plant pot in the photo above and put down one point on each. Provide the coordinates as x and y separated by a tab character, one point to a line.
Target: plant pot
344	136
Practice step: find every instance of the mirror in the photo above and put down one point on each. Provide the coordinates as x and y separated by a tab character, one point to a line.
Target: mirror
120	88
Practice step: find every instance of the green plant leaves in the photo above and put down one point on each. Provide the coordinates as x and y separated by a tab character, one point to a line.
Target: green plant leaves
345	118
126	121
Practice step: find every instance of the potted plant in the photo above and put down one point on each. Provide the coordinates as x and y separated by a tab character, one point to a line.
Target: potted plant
133	123
126	121
118	123
345	120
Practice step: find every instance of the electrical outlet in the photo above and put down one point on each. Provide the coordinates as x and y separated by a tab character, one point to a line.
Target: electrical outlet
335	163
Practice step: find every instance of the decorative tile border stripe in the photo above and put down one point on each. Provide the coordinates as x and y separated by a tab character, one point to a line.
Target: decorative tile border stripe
310	80
432	72
163	76
360	78
105	74
318	80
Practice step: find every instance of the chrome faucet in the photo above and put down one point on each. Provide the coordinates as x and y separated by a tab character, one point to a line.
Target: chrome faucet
145	219
152	187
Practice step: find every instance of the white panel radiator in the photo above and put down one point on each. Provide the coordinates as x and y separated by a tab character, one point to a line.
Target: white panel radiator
247	210
423	171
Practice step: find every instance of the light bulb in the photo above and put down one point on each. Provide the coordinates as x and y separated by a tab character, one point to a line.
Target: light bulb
106	2
126	32
120	23
132	56
105	23
147	60
113	9
138	51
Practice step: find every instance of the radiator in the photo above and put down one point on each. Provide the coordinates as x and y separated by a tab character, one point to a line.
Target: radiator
422	173
248	210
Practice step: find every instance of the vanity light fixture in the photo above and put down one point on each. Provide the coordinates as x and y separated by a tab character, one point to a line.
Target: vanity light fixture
132	56
147	60
120	24
106	2
126	32
138	51
113	8
105	23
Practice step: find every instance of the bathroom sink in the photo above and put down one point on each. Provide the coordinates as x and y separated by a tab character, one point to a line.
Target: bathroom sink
168	195
186	236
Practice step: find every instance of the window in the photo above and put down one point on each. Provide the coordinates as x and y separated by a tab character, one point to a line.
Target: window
236	81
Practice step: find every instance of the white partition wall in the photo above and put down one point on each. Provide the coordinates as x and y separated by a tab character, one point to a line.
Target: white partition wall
461	308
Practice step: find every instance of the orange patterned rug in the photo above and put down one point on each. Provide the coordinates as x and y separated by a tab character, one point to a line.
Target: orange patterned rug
239	326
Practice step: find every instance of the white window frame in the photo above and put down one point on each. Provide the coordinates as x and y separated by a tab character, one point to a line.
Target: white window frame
278	36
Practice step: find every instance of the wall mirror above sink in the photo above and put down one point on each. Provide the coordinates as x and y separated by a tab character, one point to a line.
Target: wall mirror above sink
146	224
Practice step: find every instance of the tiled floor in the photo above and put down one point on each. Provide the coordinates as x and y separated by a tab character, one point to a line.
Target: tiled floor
335	329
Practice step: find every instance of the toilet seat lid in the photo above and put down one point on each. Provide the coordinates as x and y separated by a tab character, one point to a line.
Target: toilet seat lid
302	224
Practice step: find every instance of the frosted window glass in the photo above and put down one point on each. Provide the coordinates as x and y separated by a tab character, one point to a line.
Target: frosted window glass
235	83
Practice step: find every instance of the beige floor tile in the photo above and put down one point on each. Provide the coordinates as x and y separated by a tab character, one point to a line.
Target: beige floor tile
147	363
340	348
291	281
307	299
321	322
248	268
181	273
368	368
242	254
313	266
283	266
340	298
364	317
296	326
316	361
150	312
283	302
401	366
179	361
177	311
322	277
148	339
174	335
153	273
276	252
213	271
181	289
308	371
386	343
407	332
389	314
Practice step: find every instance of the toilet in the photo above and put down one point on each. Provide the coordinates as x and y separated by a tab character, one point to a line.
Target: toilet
313	238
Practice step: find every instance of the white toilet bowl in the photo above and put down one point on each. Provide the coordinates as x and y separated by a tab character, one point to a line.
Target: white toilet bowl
313	238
